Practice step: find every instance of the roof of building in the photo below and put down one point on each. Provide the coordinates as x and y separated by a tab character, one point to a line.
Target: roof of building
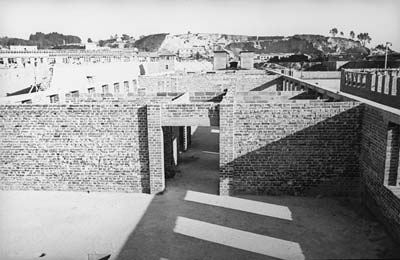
221	51
165	53
147	54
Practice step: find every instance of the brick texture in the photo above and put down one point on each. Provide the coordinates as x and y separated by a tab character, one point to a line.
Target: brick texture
197	82
203	113
383	200
97	147
226	149
156	149
291	148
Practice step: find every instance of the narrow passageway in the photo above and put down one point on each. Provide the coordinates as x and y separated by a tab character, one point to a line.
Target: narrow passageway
198	168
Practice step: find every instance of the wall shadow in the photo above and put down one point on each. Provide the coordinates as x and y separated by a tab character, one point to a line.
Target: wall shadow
143	149
305	95
273	83
218	98
213	115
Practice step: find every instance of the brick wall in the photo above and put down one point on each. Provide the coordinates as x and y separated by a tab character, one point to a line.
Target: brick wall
268	96
206	96
382	199
156	149
213	82
304	147
204	114
226	149
97	147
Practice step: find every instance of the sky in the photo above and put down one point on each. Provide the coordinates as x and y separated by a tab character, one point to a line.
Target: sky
98	19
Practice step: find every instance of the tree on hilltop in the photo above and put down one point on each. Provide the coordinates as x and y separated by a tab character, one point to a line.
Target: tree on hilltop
382	47
341	34
125	37
89	40
352	35
333	31
364	38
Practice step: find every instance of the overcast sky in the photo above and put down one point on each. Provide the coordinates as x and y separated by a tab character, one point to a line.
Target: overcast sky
99	19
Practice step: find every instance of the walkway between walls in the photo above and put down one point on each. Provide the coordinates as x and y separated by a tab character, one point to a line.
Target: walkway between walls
190	221
198	167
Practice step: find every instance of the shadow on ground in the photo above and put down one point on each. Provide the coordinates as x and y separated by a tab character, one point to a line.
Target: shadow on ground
322	227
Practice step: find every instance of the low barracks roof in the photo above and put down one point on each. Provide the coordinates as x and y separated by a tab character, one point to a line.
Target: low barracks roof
222	51
165	53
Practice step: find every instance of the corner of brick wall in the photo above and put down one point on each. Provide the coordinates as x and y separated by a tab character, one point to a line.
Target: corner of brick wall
156	149
379	198
226	144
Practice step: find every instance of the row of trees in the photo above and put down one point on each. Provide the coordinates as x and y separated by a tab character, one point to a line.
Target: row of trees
364	38
42	40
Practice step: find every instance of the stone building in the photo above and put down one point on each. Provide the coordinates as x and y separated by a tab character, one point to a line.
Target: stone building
221	59
247	60
23	48
166	61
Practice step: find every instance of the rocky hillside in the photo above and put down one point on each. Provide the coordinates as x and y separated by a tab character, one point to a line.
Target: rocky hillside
333	45
150	42
313	45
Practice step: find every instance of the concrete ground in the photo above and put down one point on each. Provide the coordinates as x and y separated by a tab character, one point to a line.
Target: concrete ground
187	221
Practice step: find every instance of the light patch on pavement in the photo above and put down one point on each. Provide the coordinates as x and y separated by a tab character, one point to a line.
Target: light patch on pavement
235	238
215	131
256	207
210	152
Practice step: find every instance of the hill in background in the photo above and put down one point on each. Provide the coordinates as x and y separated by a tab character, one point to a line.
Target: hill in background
150	42
203	44
312	45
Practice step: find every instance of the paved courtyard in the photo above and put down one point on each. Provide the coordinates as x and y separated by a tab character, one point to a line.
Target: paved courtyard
187	221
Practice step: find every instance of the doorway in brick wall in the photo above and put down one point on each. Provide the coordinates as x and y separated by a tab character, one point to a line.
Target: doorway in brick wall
191	158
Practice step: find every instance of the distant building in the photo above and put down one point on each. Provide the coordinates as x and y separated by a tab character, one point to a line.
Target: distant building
120	43
144	56
264	57
23	48
166	60
91	46
185	52
247	60
221	59
192	51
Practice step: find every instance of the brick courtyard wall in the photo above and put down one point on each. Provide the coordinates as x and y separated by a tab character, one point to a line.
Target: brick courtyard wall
298	148
96	147
226	149
206	96
268	96
203	113
156	149
203	82
383	200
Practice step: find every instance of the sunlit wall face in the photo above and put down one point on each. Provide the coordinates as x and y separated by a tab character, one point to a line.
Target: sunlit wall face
100	19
